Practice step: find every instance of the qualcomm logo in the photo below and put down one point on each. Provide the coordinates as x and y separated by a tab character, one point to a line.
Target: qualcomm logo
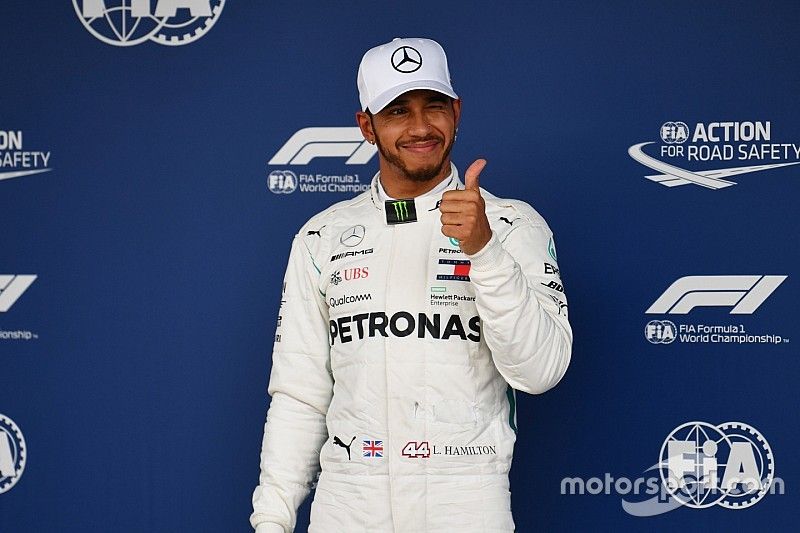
744	293
309	144
12	454
16	162
11	288
714	141
132	22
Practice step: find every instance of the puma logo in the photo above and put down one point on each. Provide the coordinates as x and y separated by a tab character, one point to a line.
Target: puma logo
317	232
337	441
509	222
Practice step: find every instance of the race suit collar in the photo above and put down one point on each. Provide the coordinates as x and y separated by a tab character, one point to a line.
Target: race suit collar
426	203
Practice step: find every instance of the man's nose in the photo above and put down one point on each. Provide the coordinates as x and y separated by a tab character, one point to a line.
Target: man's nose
420	125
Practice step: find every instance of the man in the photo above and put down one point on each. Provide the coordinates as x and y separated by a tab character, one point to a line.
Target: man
410	315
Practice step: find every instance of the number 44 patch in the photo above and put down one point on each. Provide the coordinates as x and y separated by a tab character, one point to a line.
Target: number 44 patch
415	449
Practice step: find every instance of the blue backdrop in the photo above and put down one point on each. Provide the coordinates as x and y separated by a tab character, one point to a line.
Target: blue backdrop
136	363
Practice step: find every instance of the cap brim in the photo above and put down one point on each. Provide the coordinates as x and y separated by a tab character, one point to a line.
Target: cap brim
382	100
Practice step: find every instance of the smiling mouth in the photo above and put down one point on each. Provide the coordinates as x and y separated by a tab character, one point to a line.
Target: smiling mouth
421	147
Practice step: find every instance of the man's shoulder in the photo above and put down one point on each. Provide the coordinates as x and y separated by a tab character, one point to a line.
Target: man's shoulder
509	209
321	233
339	213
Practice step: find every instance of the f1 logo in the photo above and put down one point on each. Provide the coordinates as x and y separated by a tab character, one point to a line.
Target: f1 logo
11	288
310	143
744	293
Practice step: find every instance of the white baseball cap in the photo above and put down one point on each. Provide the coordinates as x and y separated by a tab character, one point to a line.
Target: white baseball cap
391	69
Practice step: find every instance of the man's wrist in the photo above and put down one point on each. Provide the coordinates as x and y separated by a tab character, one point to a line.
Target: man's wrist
270	527
488	256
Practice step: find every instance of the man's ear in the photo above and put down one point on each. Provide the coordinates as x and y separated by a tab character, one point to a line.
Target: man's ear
457	110
365	123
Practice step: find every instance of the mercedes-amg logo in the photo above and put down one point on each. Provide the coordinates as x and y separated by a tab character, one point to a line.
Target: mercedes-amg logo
406	59
353	236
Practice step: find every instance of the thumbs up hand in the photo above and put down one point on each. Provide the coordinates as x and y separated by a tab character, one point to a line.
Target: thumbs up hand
464	212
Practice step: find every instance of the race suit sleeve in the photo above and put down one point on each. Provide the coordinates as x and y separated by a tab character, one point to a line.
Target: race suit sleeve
301	387
522	305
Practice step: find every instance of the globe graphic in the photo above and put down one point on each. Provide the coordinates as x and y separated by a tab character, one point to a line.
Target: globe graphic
660	331
117	25
748	491
674	132
694	488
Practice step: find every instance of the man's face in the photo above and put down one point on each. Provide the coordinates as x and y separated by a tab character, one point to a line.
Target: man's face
415	133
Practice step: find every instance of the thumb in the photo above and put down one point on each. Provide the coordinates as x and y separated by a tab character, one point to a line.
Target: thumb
472	173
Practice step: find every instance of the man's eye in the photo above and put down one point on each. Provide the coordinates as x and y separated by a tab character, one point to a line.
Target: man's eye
397	111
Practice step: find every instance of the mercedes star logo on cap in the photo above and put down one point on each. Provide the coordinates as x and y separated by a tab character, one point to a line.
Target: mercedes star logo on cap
406	59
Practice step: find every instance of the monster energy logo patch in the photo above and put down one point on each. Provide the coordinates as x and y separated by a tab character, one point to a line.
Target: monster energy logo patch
400	211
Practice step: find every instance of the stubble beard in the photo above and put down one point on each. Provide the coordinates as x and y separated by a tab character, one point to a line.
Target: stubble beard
420	175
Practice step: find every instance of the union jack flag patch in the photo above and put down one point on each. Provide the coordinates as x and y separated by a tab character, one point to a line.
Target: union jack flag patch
373	448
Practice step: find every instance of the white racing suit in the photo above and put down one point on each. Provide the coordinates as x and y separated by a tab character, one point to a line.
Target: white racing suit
395	363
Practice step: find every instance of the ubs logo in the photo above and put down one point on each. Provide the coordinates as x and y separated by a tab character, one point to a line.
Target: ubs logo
356	273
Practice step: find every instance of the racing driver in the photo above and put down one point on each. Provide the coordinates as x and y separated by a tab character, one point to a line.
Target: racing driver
410	316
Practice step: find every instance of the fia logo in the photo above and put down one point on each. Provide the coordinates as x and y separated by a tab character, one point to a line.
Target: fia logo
674	132
282	181
660	331
12	454
128	23
730	465
716	141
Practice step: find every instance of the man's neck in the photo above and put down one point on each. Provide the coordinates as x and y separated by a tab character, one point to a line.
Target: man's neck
397	185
